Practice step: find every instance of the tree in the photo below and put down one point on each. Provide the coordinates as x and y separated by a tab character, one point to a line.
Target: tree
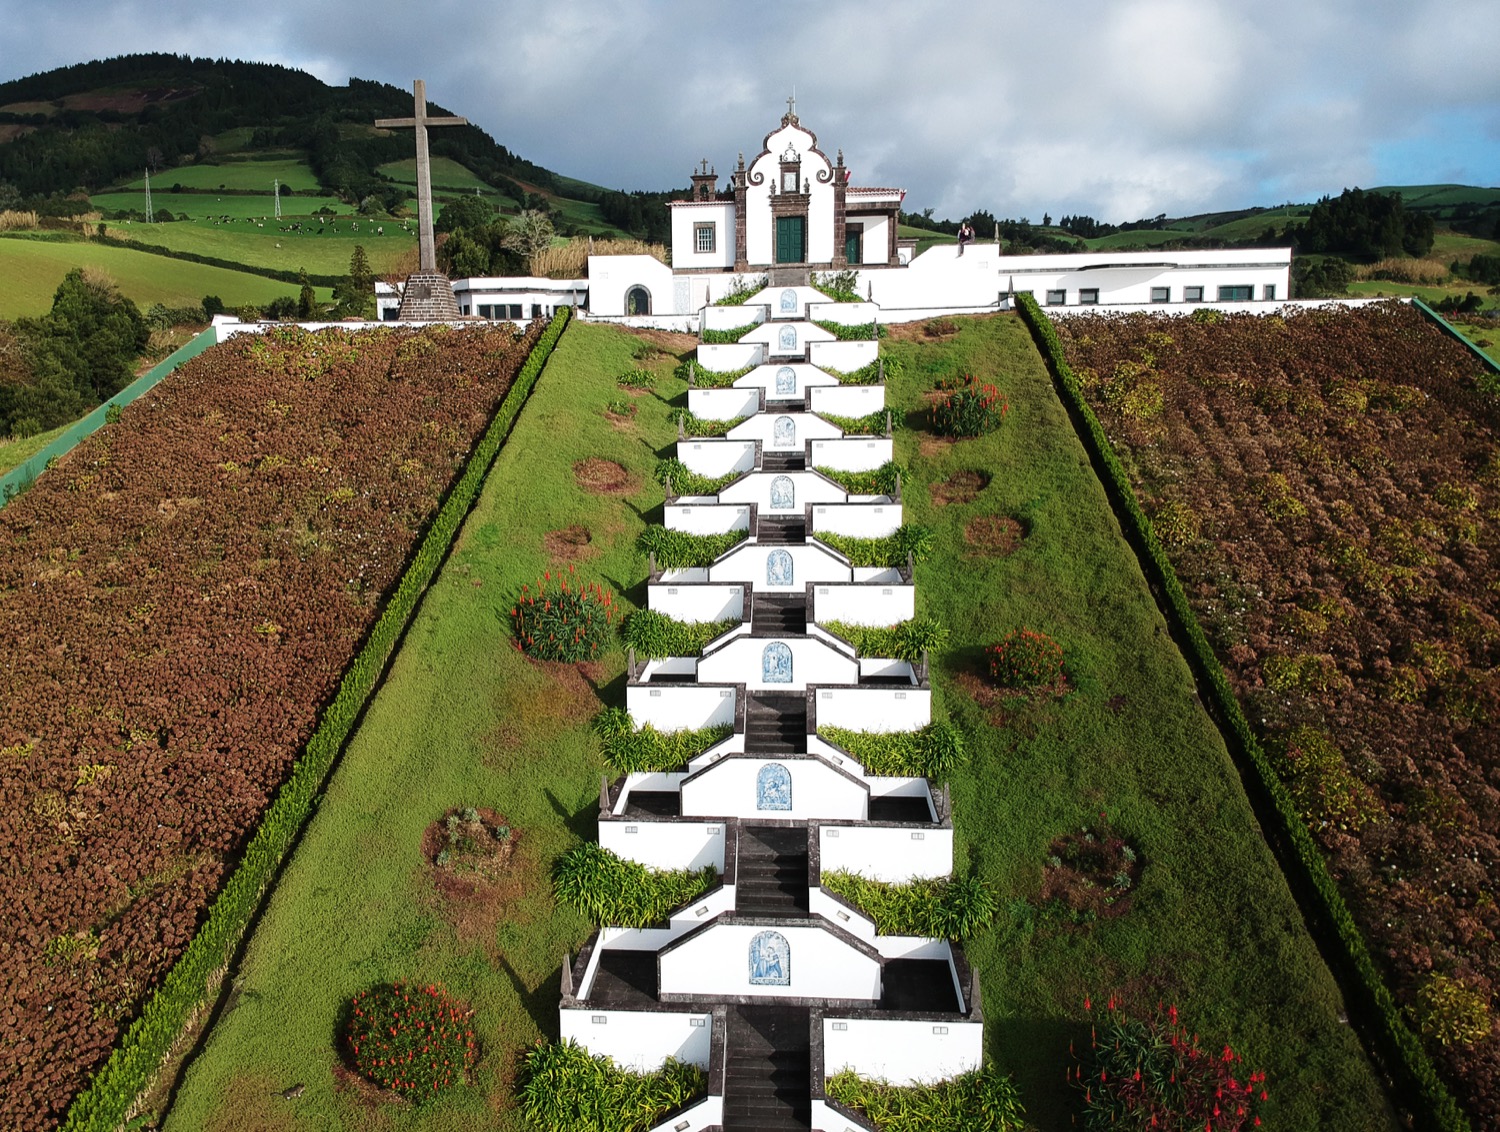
528	234
471	212
354	295
307	298
1046	220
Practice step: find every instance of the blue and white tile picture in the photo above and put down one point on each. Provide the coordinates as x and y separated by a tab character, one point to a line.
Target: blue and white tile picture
770	960
786	380
783	494
779	568
773	788
787	339
776	664
789	301
784	434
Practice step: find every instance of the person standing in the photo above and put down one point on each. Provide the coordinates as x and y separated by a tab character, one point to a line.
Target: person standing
965	236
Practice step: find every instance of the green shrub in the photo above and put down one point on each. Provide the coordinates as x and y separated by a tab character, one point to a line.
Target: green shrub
934	751
871	424
641	379
935	909
563	1088
697	426
1145	1074
971	408
678	550
648	749
840	286
1324	789
888	551
981	1101
870	374
1024	658
859	332
112	413
879	481
563	619
614	892
694	374
1305	672
1451	1012
685	482
654	634
724	337
414	1040
744	290
904	641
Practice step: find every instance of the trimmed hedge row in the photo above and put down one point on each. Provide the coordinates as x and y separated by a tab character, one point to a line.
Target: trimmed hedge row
1400	1049
102	1107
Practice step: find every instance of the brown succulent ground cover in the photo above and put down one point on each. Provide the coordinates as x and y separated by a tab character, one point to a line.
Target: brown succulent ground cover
178	599
1328	484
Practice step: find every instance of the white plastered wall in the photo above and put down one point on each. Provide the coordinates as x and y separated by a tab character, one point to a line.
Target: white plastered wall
686	217
714	456
880	606
899	1051
717	962
853	454
706	518
891	854
697	602
806	488
747	563
813	662
723	404
874	709
680	706
727	789
665	844
846	400
857	520
611	276
640	1040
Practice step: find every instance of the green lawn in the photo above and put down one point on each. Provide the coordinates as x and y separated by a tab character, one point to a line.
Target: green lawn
925	237
1484	337
30	271
269	247
257	172
14	452
463	719
446	174
197	205
1428	293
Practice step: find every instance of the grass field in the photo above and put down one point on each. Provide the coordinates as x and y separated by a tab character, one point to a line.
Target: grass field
13	452
256	172
1484	337
1428	293
446	174
199	205
269	247
30	271
464	719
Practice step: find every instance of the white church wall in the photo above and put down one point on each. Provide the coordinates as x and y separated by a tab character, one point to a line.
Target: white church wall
726	357
717	456
875	241
874	709
900	1051
679	706
813	662
846	400
702	602
890	854
846	357
853	454
767	490
706	518
748	563
687	217
857	520
723	404
727	788
880	606
612	276
640	1040
820	965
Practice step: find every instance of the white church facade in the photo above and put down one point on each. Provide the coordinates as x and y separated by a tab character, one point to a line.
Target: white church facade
791	211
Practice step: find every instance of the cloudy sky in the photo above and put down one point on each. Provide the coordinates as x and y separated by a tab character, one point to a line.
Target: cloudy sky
1115	108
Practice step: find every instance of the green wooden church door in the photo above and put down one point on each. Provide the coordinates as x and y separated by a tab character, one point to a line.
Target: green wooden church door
791	239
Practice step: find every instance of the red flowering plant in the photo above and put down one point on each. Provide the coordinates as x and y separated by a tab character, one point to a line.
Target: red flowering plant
1152	1073
563	618
414	1040
971	408
1024	658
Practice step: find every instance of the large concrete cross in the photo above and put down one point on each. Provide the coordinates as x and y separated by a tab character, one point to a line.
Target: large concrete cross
421	121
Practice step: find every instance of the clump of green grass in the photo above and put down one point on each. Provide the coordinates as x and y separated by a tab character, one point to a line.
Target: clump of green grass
687	482
934	751
907	640
935	909
884	480
699	427
654	634
614	892
565	1089
640	380
871	424
678	550
629	749
888	551
982	1101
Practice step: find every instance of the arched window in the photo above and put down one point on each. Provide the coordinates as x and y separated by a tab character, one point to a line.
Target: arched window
638	300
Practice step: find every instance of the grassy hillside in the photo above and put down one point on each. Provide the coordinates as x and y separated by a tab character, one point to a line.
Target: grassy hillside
257	171
269	247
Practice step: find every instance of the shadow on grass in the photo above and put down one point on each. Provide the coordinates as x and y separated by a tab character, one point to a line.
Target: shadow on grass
611	692
539	1002
582	823
1034	1051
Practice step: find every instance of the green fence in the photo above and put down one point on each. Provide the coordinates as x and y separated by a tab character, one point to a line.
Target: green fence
1390	1040
24	474
189	985
1449	329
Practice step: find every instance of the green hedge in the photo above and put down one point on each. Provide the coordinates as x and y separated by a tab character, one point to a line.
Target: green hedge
694	374
860	332
649	749
981	1101
1400	1048
934	751
688	482
614	892
677	550
185	990
698	427
888	551
871	424
656	635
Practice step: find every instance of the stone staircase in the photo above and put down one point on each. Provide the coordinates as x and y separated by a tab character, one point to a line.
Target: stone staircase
788	531
774	615
770	874
776	725
767	1076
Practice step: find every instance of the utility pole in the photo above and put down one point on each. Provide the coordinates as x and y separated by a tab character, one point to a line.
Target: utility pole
150	216
276	192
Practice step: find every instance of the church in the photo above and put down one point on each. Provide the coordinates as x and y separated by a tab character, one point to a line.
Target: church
791	210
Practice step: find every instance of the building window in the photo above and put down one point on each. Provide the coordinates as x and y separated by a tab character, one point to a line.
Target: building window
637	301
536	310
515	310
1056	298
1088	295
703	237
486	310
1161	294
1192	294
1268	292
1236	294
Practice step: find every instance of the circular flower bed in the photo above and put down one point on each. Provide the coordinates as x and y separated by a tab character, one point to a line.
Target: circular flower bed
971	408
413	1040
1092	871
563	619
1025	658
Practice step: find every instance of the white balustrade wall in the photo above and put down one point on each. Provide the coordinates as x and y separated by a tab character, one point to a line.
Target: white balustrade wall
899	1051
852	454
880	606
892	854
844	400
726	357
857	520
845	314
818	790
676	707
874	709
732	318
846	357
821	965
728	404
700	601
715	457
706	518
820	902
640	1040
665	844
